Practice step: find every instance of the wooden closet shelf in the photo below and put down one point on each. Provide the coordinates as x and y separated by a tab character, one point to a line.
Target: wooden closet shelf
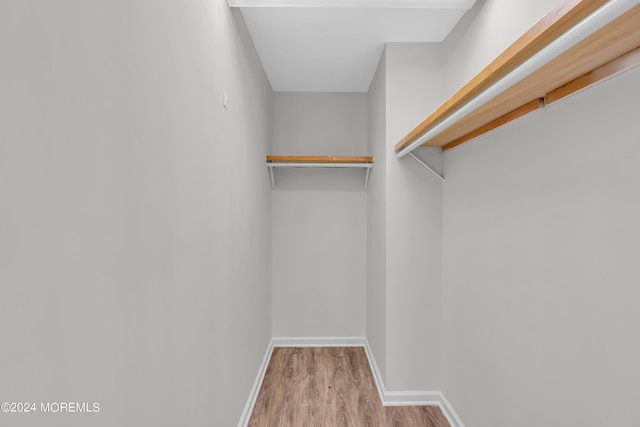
606	52
359	162
319	159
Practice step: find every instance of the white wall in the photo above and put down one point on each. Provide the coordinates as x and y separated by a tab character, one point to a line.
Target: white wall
319	217
541	266
404	212
134	213
414	223
539	246
539	240
377	219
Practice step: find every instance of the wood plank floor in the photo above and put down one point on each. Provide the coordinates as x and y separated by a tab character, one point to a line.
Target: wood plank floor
329	386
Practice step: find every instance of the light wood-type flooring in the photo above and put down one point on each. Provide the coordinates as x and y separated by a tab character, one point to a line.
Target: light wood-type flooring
329	387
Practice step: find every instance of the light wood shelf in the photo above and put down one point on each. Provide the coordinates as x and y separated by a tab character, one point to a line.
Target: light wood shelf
360	162
319	159
606	52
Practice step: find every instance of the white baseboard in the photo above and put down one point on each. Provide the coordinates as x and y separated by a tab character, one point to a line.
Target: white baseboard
388	398
400	398
253	394
449	413
318	341
411	398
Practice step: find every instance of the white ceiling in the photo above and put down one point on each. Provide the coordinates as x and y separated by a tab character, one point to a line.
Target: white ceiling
335	45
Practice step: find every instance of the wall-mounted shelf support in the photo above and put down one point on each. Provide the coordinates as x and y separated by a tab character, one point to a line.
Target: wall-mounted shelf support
423	164
362	162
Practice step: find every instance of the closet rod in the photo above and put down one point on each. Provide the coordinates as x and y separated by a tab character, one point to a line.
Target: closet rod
592	23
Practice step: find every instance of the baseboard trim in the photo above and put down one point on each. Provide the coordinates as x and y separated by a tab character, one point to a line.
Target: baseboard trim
388	398
253	394
411	398
449	413
319	341
399	398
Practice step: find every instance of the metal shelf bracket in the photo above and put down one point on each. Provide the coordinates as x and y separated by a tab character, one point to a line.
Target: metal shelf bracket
423	164
274	165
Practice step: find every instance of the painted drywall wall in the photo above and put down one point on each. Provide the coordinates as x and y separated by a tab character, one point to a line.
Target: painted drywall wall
135	211
376	219
541	247
414	223
404	223
319	217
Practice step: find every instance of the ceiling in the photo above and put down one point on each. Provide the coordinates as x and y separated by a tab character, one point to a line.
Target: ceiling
335	45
